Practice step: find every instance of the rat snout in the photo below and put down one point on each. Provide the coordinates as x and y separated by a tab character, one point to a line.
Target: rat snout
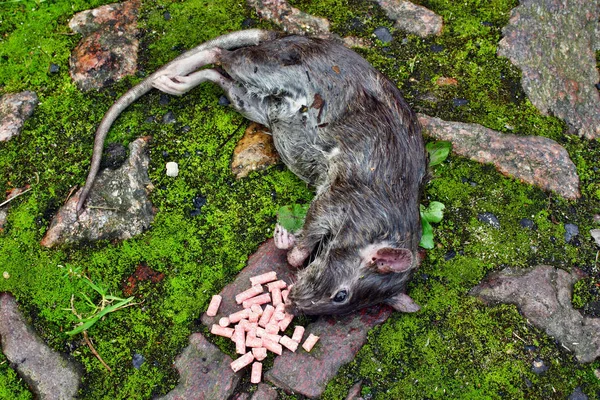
291	305
294	303
291	308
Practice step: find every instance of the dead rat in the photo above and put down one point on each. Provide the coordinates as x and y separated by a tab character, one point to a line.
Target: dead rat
341	126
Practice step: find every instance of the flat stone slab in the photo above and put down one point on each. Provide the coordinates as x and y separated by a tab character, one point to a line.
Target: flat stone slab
535	160
48	374
412	18
204	372
117	207
108	50
553	43
543	295
340	339
15	109
266	258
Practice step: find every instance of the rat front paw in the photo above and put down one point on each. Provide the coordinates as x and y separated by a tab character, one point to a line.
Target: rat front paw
284	240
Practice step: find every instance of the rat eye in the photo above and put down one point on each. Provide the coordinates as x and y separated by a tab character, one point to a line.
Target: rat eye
340	296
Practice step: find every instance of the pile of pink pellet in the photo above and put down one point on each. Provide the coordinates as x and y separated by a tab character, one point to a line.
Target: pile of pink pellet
259	328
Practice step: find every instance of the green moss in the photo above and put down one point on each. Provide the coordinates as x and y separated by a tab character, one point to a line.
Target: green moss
454	348
33	36
11	386
585	292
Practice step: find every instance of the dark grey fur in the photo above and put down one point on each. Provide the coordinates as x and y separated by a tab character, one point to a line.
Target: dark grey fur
343	127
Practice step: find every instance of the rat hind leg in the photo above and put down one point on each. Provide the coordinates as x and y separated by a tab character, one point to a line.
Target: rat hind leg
250	106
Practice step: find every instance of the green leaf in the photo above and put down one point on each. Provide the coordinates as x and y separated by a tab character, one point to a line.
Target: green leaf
89	301
438	152
114	307
427	236
83	327
433	213
97	288
291	217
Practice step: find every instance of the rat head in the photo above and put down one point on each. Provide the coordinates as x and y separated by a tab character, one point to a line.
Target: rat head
340	281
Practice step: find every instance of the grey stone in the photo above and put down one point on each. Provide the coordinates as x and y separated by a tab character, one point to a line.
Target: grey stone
527	224
340	339
49	374
539	367
490	219
543	295
577	395
169	118
412	18
297	22
383	34
533	159
137	360
204	373
224	101
459	102
15	109
553	42
53	68
117	208
571	230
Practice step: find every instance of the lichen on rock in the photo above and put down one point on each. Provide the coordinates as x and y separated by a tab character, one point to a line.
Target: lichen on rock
553	43
117	208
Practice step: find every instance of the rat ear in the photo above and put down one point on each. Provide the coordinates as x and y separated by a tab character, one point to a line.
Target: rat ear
388	260
403	303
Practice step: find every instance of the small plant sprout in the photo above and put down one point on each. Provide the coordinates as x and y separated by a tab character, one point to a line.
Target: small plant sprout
431	214
106	306
70	272
438	152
